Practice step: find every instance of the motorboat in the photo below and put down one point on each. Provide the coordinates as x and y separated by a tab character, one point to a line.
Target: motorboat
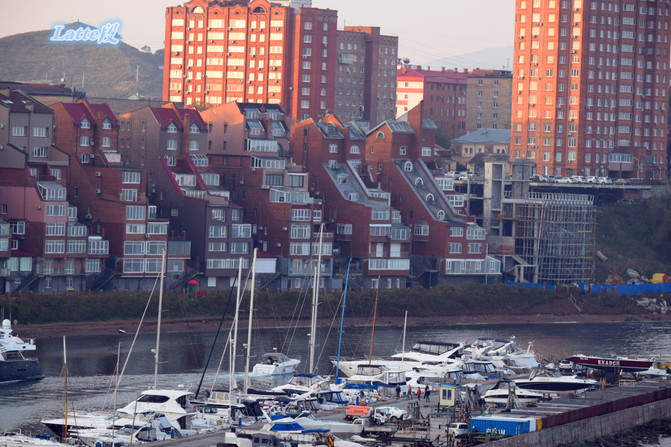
174	405
375	376
275	363
543	380
612	362
337	428
303	383
14	365
506	393
504	354
18	439
422	354
477	370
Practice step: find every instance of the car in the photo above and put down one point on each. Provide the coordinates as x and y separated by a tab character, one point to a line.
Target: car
621	181
539	178
564	180
391	414
604	181
457	429
590	179
578	179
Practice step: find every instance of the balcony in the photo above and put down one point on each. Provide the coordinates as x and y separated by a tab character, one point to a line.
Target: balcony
400	265
179	248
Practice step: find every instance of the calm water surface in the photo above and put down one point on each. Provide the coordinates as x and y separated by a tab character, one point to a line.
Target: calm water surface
92	360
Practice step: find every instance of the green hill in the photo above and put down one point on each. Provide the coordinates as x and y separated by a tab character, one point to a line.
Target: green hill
106	70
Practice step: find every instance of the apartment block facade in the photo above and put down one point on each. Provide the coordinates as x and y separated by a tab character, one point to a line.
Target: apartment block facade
488	95
443	93
590	84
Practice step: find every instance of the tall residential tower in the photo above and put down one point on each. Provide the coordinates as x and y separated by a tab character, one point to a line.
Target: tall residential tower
590	84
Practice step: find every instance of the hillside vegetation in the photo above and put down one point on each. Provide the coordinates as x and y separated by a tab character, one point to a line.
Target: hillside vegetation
105	70
636	236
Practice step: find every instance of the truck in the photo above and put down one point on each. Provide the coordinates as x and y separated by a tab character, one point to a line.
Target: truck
501	425
359	412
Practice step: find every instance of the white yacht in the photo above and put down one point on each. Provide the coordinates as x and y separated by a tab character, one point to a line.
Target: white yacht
543	380
14	365
275	363
506	393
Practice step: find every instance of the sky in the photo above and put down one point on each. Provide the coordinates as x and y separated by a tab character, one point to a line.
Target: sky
428	30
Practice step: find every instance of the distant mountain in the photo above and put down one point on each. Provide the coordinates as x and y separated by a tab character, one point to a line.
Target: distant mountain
104	70
498	58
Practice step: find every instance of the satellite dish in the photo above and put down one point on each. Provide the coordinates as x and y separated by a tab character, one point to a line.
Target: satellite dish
406	60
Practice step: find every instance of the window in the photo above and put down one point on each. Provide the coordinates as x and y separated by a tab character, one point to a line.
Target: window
77	246
241	230
135	228
55	229
98	247
136	212
155	247
56	210
84	140
133	248
239	248
54	246
218	231
40	131
157	228
300	231
131	177
85	124
18	227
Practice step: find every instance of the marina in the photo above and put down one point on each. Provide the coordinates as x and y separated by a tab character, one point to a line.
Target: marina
180	371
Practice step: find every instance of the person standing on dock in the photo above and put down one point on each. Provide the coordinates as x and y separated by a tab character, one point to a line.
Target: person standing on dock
427	393
419	393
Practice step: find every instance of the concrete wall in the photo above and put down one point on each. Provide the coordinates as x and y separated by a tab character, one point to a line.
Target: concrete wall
591	428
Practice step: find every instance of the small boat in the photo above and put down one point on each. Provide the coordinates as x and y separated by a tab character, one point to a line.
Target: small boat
543	380
14	366
275	363
506	393
374	376
612	362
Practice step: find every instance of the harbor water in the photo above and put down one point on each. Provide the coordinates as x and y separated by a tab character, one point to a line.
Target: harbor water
92	361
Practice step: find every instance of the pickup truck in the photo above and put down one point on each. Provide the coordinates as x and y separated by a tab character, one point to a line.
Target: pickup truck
391	414
364	414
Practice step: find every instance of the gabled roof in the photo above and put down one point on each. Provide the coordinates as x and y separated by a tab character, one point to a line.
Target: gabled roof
106	112
355	132
78	112
485	136
19	102
400	127
330	131
194	117
165	116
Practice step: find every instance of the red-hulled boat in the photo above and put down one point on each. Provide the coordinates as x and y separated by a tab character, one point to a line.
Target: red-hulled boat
601	361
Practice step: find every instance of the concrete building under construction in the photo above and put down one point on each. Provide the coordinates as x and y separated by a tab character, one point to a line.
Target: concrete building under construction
540	237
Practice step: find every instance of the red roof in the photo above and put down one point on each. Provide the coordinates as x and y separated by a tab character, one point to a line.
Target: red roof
78	112
194	117
106	111
165	116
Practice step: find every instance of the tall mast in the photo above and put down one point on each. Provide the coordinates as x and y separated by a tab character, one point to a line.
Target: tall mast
315	298
372	337
158	323
249	328
234	339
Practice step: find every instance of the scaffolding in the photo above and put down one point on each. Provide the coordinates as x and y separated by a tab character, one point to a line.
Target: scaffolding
554	233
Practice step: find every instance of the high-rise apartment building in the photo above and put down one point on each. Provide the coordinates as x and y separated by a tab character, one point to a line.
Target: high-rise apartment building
366	78
254	51
590	84
278	52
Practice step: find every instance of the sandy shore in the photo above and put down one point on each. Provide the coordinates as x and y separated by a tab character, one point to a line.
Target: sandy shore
38	331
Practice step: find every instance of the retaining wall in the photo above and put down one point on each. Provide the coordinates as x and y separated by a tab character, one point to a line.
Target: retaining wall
591	428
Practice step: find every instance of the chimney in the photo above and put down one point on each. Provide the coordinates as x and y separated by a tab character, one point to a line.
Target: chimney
442	68
456	70
428	68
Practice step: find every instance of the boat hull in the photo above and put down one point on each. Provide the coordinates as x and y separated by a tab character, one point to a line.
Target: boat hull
18	370
612	363
553	387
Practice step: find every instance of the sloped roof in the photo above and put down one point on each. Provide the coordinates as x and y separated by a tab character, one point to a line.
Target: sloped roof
194	117
330	131
165	116
106	111
18	102
485	136
78	112
355	132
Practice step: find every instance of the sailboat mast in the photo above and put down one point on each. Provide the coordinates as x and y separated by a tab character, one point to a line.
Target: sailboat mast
315	298
158	323
342	318
65	375
405	324
234	340
372	337
249	328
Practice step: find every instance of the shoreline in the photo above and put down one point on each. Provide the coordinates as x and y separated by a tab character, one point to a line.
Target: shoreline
206	324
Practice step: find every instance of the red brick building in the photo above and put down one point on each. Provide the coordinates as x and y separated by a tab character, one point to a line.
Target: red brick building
444	95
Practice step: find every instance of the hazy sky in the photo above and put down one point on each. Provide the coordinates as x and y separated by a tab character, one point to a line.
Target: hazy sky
428	30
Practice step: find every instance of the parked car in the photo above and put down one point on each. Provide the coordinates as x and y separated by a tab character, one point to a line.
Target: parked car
539	178
564	180
621	181
578	179
457	429
590	179
604	181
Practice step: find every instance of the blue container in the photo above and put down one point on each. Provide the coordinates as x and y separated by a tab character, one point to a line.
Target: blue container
502	425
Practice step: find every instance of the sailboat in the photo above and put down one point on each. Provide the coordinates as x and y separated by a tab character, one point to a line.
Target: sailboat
170	412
